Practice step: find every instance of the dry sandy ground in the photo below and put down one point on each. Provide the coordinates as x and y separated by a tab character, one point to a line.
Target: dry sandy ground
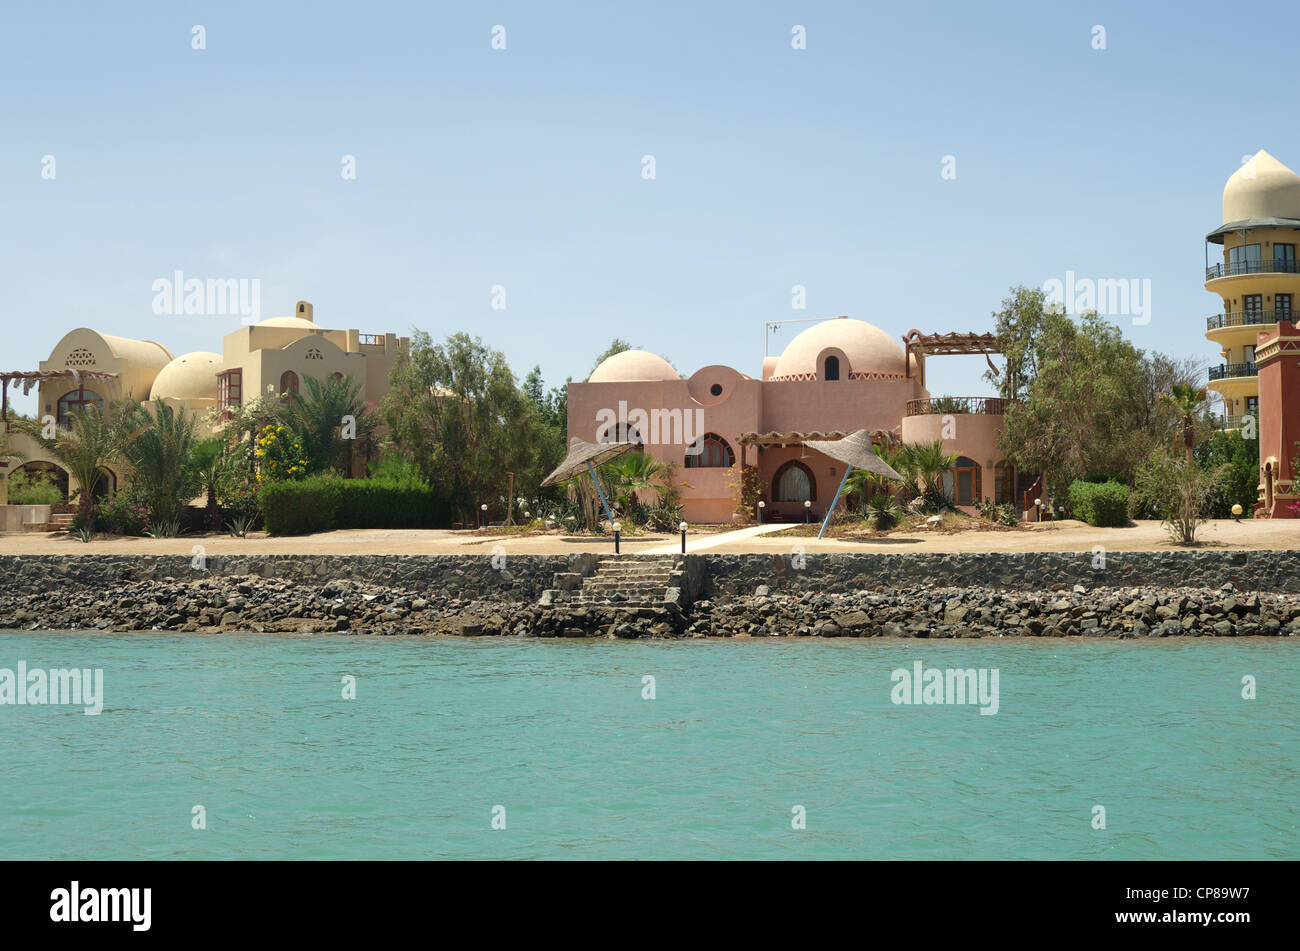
1052	536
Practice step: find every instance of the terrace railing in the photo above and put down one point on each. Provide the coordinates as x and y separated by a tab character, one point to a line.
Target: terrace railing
1235	268
1246	318
1228	370
974	405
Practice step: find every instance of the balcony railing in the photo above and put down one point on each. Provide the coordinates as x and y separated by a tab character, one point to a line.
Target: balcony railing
1234	268
370	340
1246	318
982	405
1231	422
1226	370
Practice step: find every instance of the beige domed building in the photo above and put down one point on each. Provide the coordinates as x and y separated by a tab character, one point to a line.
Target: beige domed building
834	378
89	367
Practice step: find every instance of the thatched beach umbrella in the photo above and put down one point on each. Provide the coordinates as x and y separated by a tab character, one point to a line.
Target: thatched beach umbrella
588	455
856	452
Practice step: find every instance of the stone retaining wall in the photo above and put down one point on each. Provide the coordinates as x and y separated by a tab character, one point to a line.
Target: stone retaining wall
512	578
1267	571
522	578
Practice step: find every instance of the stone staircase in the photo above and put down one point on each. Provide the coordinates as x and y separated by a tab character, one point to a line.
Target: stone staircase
625	582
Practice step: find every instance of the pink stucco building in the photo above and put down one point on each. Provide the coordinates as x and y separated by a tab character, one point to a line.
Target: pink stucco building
836	377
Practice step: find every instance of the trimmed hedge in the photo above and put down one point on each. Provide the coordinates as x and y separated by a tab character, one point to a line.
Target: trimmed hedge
1103	504
324	503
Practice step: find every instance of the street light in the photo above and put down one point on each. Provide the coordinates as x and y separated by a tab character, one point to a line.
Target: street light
807	511
682	528
1236	511
618	527
761	505
483	516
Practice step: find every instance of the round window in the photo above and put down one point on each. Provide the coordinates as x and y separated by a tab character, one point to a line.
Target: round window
716	389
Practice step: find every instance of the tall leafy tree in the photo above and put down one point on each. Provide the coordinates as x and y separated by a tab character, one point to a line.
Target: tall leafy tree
1083	398
456	410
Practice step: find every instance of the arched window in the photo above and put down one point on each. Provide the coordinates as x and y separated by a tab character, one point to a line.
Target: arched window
710	451
76	400
336	377
621	432
962	482
794	482
288	382
832	368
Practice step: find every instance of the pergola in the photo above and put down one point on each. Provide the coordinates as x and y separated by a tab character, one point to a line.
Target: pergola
31	378
948	344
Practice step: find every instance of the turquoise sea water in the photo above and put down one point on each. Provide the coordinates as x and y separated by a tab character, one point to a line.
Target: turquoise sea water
254	728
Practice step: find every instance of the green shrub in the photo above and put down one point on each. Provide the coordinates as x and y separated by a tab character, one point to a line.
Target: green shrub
327	502
1104	504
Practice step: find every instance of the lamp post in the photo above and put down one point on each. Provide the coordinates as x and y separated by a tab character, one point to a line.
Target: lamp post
682	528
1236	512
482	519
807	511
1038	510
761	505
618	527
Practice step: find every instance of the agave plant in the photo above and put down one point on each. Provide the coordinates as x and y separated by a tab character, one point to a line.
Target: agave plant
884	512
239	526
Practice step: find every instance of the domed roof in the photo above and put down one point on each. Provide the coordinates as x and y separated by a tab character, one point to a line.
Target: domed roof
298	322
191	376
870	351
1262	188
633	366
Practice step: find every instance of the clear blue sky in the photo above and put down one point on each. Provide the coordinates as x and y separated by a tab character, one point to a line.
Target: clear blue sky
522	167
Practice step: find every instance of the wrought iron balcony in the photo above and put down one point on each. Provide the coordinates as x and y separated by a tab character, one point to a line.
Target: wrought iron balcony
1246	318
1235	268
1227	370
939	405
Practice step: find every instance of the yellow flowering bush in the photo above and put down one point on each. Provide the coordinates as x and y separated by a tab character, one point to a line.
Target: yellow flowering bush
280	455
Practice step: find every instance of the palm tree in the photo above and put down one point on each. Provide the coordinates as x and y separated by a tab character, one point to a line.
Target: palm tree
91	441
635	472
867	485
160	452
319	414
927	462
1188	403
213	469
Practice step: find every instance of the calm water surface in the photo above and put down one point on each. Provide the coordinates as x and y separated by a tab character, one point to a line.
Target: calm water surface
254	728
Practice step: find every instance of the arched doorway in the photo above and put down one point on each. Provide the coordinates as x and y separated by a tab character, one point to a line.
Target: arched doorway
794	482
288	383
961	483
105	483
31	474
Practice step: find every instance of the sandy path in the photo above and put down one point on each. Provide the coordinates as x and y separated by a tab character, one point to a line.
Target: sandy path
1060	536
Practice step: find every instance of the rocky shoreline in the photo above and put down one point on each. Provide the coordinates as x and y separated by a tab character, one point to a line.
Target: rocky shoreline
252	603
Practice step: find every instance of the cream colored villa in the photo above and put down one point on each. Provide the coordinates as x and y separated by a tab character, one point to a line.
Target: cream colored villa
89	367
